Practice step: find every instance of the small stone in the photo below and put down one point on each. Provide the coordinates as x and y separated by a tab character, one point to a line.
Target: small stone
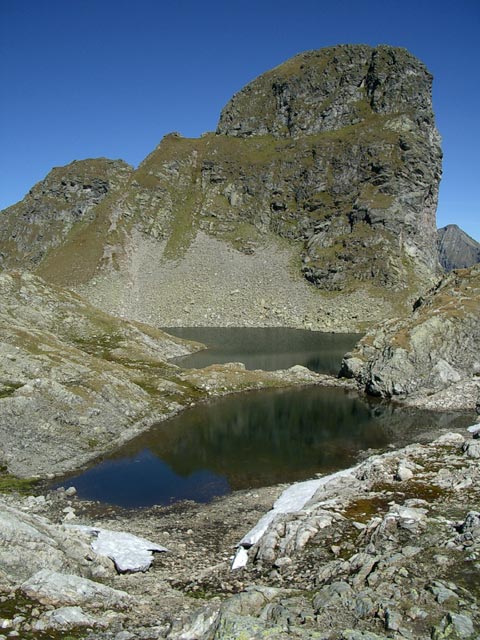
403	473
393	620
442	593
472	449
416	612
474	430
283	562
65	618
71	491
450	438
364	606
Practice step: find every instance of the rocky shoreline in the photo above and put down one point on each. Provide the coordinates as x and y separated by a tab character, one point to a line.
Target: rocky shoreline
76	383
391	549
430	358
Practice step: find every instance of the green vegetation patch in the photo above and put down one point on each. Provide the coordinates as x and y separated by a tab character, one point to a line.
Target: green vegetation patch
375	199
183	225
363	509
12	484
76	260
7	389
100	345
17	604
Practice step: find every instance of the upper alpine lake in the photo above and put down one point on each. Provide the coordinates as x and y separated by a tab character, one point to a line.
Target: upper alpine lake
256	438
266	348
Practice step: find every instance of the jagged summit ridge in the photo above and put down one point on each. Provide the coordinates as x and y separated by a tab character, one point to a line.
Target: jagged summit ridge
328	89
54	206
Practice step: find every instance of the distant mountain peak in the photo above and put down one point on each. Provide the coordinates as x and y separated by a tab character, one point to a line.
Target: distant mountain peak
457	250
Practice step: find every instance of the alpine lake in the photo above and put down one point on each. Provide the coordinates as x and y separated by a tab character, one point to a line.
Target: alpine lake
256	438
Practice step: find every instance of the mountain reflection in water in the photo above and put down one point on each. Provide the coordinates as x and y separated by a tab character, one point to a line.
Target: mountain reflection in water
250	440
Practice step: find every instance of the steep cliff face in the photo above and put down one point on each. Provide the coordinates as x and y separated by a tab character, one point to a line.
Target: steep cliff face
331	159
371	188
329	89
436	347
456	249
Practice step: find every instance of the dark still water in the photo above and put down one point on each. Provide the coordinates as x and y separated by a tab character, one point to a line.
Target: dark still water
250	440
268	349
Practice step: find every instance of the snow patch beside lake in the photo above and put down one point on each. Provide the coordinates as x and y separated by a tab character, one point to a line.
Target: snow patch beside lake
293	499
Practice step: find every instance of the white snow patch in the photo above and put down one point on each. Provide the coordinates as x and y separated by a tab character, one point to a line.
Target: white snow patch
241	558
291	500
129	553
475	428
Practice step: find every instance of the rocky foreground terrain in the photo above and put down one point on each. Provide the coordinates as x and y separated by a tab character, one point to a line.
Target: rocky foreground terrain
391	549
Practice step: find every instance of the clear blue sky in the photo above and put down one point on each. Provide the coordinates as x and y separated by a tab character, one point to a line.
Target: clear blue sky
89	78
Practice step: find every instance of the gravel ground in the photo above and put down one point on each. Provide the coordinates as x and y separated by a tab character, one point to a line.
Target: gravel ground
215	285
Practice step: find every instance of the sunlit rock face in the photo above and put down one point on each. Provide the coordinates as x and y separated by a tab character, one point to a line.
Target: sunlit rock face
322	171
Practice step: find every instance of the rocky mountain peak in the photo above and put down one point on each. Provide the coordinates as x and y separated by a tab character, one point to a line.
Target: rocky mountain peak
53	206
328	89
329	163
457	250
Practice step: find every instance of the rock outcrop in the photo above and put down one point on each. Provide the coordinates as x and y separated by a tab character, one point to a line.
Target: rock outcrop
324	170
66	388
46	545
456	249
377	555
434	351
